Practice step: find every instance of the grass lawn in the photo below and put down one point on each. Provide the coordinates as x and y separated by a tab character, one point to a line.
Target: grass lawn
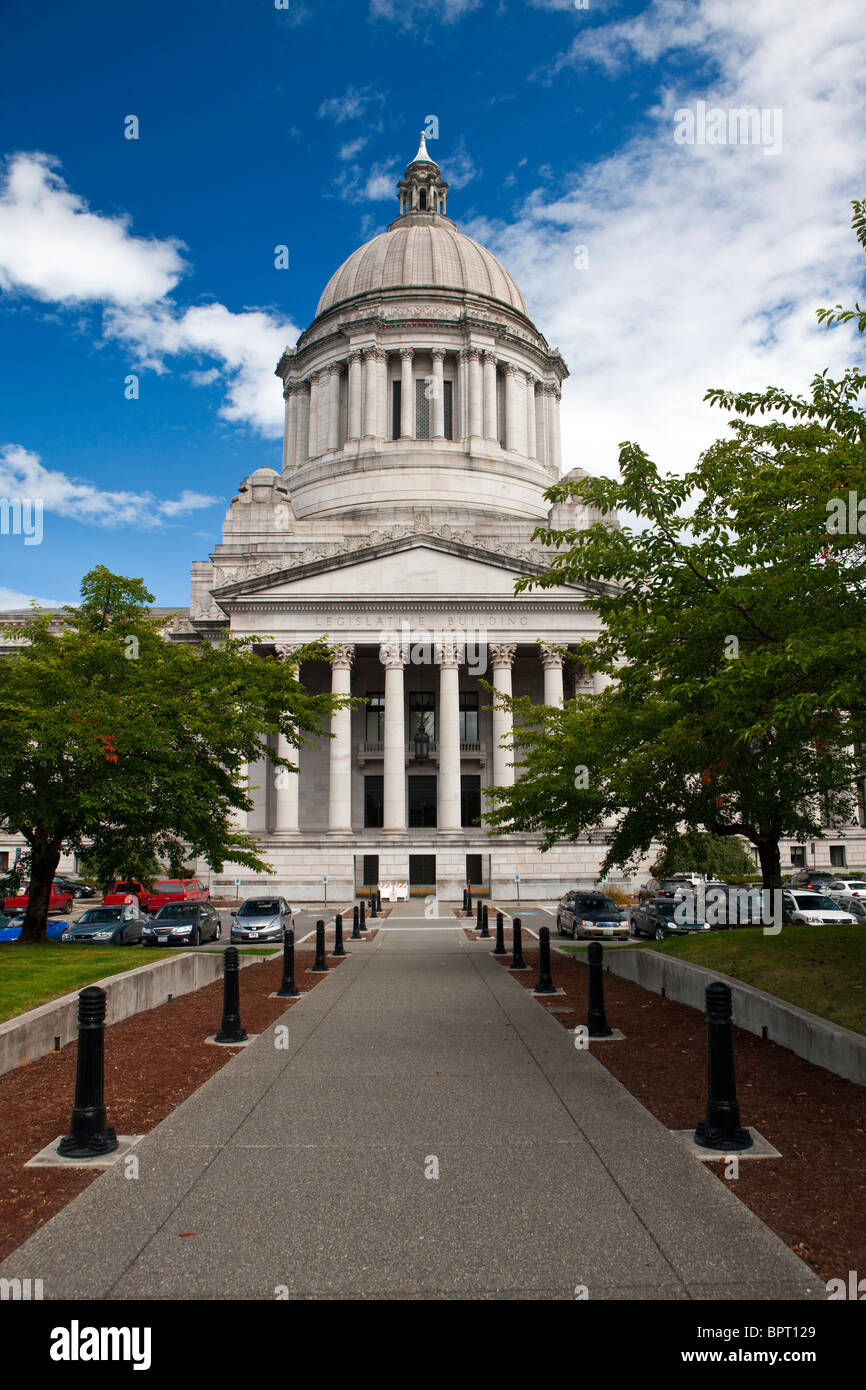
822	969
31	975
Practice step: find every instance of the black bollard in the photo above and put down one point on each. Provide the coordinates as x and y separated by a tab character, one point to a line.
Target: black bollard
517	961
355	932
372	904
596	1019
479	916
468	902
721	1128
231	1029
499	948
89	1135
339	948
288	989
545	978
379	901
485	930
363	916
463	908
320	963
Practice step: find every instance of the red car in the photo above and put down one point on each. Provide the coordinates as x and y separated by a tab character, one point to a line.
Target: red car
60	900
177	890
121	890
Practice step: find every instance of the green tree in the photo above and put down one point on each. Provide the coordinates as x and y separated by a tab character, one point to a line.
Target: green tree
733	635
108	732
700	853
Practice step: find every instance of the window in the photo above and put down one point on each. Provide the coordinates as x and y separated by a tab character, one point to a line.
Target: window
371	871
374	800
396	387
422	802
422	872
4	860
422	200
422	715
449	412
473	869
837	856
469	716
422	409
798	856
375	716
470	800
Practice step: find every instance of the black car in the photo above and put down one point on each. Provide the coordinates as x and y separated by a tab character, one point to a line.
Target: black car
590	915
665	888
183	924
109	926
661	917
76	887
816	879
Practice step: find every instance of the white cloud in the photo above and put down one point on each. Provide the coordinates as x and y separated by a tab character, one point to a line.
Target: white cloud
12	599
706	263
354	147
351	105
23	475
408	12
54	248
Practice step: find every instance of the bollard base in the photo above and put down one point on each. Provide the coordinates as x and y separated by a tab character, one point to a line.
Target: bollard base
761	1147
96	1147
735	1142
217	1041
50	1158
612	1035
288	994
546	993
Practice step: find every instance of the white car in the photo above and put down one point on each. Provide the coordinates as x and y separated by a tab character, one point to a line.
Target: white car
848	903
815	909
851	887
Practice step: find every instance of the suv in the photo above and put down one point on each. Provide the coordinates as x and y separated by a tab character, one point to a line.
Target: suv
124	888
666	888
818	879
815	909
177	890
590	915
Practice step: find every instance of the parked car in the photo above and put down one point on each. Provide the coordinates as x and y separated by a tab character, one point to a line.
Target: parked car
10	928
665	888
119	891
814	909
853	887
60	900
261	919
590	915
173	890
116	926
816	879
76	887
183	924
848	903
656	918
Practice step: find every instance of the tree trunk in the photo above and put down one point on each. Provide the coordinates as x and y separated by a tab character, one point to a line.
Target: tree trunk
767	845
43	866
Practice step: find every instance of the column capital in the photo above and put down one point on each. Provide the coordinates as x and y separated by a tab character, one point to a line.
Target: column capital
342	654
438	354
354	357
502	654
373	353
448	653
285	650
513	370
293	387
391	655
551	656
335	368
407	353
473	354
488	355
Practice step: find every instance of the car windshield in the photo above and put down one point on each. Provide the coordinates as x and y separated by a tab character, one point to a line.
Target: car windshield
664	909
595	905
815	902
169	887
175	912
99	914
260	907
125	887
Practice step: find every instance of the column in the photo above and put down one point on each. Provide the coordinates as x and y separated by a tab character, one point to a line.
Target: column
462	419
340	777
382	396
356	383
475	407
502	657
407	394
437	430
286	784
334	408
491	414
313	432
374	362
531	438
394	789
448	737
553	662
515	409
303	434
555	459
290	434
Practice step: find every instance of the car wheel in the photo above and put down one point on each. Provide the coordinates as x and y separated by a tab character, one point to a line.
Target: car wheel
660	933
195	939
560	931
632	929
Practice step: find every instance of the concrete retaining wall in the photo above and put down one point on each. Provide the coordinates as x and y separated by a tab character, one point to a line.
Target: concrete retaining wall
817	1040
29	1036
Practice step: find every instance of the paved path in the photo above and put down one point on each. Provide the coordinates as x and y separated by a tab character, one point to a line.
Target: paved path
304	1169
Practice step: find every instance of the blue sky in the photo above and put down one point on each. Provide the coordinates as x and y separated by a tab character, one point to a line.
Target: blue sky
261	126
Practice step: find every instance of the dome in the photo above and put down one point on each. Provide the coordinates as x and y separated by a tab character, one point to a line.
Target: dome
425	252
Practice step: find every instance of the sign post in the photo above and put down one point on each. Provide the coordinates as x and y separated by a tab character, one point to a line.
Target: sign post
325	890
237	888
517	881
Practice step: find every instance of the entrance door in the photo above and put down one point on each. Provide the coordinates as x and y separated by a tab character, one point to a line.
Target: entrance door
422	873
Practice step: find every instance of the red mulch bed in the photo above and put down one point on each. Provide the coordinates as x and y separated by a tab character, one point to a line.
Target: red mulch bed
153	1061
814	1196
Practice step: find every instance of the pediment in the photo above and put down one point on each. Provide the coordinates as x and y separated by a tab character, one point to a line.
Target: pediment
419	565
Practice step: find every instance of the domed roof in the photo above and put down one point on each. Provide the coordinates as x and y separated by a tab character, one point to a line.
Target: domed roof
425	252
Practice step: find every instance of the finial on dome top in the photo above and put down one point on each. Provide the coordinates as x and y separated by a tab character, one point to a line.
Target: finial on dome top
422	188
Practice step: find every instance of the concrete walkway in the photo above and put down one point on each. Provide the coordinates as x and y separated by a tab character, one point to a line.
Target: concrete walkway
305	1169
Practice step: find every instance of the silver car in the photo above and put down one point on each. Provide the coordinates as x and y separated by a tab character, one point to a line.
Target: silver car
262	919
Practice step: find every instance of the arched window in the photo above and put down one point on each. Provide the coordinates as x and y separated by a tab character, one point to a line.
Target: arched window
422	200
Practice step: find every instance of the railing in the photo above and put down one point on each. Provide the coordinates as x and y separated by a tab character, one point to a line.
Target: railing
375	749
